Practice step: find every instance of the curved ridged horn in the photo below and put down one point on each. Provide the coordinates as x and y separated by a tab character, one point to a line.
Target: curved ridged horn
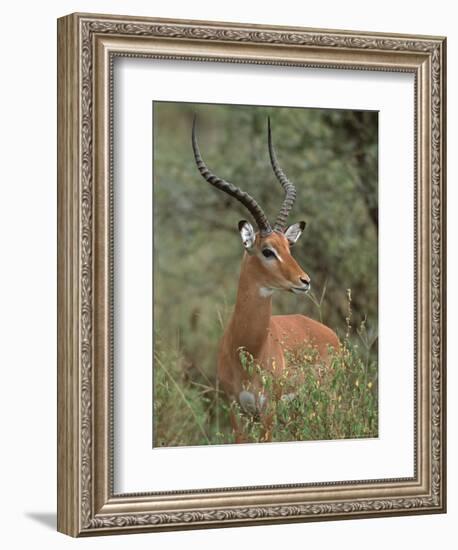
229	188
290	190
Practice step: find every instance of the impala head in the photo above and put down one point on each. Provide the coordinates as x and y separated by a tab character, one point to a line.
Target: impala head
271	261
268	248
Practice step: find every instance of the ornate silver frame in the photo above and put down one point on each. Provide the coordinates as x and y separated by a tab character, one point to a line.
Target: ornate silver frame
87	44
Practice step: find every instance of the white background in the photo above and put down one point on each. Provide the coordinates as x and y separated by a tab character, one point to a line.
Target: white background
28	273
388	456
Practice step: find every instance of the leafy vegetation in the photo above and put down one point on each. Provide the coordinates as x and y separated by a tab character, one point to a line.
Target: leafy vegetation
314	401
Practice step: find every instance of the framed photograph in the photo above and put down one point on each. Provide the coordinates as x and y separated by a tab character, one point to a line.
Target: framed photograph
251	289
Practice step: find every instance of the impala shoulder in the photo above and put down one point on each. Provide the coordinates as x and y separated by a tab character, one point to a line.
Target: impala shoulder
320	329
315	329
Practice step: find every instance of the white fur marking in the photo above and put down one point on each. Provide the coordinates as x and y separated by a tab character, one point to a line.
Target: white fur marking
276	253
265	292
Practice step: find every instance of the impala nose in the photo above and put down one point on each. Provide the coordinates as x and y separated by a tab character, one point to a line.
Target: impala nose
305	281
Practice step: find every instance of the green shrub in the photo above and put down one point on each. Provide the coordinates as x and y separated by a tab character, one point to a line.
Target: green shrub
312	401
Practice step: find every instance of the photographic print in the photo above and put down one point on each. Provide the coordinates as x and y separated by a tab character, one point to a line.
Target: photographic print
265	274
248	271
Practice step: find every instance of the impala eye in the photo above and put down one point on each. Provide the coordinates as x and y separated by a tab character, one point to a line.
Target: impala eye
267	253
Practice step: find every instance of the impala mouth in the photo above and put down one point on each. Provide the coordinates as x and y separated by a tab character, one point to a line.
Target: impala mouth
300	290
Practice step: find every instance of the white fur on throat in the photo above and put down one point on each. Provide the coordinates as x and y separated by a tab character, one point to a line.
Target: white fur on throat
265	292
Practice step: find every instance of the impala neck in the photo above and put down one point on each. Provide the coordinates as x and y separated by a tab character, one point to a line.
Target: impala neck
252	313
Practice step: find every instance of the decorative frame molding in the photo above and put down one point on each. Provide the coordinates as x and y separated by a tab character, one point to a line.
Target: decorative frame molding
87	44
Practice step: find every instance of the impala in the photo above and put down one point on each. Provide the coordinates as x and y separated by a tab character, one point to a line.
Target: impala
267	266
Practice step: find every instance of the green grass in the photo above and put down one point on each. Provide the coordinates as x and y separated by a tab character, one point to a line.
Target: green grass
337	401
319	402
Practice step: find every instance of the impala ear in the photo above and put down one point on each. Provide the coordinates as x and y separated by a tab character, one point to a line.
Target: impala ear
248	235
294	232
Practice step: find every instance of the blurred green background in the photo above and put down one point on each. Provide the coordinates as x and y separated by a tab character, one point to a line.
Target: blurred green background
330	155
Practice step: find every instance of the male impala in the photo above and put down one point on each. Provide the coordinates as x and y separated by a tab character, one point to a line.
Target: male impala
267	266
